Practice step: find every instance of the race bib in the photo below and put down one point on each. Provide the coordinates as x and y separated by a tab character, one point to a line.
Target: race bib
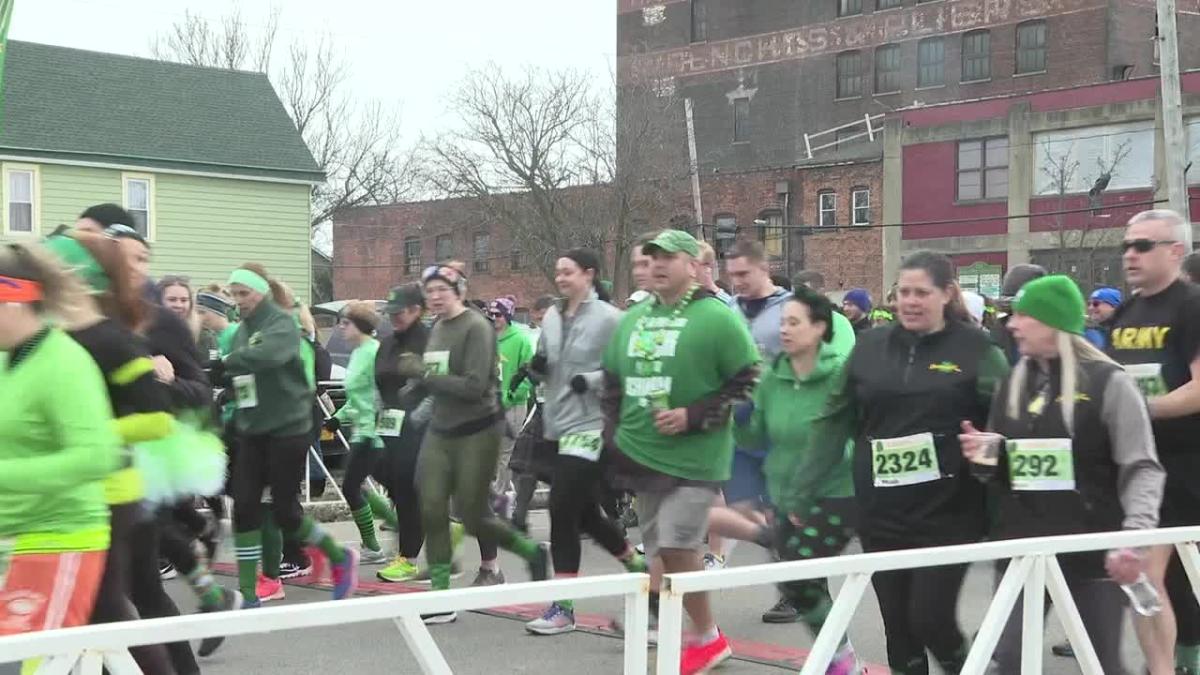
1041	464
1148	377
905	461
245	391
437	363
390	422
585	445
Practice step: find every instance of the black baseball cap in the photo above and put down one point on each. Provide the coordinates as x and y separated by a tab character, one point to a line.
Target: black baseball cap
401	298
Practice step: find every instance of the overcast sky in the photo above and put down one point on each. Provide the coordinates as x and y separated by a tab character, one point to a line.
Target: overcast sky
401	52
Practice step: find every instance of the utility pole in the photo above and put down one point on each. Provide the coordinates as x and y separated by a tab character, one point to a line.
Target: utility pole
695	163
1175	143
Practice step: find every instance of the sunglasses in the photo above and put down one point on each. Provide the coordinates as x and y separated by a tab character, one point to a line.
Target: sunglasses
1144	245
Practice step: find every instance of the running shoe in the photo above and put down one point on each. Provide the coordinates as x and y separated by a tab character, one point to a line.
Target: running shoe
251	604
230	601
845	662
439	618
1063	649
539	567
423	574
401	569
554	621
712	561
636	563
783	612
345	575
268	589
488	578
291	570
166	571
369	556
698	658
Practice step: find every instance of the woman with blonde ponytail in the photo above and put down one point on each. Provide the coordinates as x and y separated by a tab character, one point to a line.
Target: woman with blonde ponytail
57	444
1069	451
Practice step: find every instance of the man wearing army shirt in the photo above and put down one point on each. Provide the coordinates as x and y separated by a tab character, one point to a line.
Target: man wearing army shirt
1156	336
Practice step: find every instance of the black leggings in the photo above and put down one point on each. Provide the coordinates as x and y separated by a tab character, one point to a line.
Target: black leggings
920	612
175	542
575	495
113	602
363	461
1183	601
400	464
269	461
147	592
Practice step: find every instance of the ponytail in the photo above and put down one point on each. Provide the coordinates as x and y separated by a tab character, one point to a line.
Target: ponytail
280	293
64	295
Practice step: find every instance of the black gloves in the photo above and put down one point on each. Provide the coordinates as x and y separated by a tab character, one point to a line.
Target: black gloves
216	372
518	378
332	424
538	363
579	384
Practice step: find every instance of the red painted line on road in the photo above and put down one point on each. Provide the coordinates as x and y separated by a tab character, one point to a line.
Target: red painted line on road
762	652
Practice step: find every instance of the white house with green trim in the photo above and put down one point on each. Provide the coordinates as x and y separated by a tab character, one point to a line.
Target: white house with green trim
206	160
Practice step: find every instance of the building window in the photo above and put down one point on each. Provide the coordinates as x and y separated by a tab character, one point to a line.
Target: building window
516	261
771	233
20	190
412	255
827	209
887	4
976	56
983	169
482	246
1031	47
725	224
443	248
741	120
849	75
931	62
139	202
860	206
1071	160
849	7
887	69
699	20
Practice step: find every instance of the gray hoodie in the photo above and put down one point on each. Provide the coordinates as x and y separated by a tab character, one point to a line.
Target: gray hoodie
764	327
577	350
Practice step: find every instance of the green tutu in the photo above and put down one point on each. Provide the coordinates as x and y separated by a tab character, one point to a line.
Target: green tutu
188	462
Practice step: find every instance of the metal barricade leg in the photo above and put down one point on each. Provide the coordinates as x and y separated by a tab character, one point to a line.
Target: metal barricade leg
997	616
670	629
637	621
836	624
121	663
1068	614
424	650
1034	619
57	665
91	663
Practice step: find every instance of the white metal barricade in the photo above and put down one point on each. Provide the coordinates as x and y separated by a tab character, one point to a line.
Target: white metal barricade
86	650
1033	568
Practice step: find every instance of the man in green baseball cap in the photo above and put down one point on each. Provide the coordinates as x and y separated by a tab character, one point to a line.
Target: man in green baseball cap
673	241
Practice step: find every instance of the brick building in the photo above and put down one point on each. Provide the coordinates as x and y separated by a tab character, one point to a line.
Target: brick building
763	76
995	177
377	247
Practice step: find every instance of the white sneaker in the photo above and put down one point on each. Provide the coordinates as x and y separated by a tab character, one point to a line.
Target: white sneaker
555	621
439	618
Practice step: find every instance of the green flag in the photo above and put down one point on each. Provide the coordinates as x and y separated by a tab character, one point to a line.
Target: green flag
6	10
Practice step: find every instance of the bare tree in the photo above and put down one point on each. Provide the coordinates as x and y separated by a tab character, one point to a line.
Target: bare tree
356	143
555	162
1083	240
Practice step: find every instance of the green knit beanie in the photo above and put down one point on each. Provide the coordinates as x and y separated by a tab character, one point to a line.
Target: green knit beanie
1054	300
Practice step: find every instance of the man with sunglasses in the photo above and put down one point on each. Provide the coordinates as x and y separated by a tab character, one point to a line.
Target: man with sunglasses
1156	336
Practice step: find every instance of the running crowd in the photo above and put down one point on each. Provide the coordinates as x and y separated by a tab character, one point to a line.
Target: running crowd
756	412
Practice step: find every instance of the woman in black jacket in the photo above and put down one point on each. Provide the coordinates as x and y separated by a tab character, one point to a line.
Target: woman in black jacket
906	388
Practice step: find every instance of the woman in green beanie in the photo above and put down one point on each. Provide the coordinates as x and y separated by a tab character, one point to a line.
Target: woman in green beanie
1069	451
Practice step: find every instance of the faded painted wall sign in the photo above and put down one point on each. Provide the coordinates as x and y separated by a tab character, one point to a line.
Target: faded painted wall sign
654	15
625	6
849	33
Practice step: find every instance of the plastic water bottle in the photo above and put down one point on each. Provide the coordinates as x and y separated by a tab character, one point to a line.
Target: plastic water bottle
1142	596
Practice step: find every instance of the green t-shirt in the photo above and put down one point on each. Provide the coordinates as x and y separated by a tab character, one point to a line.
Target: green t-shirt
669	359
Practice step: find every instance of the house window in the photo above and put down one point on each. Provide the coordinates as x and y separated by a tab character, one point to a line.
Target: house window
20	185
860	206
699	20
983	169
515	260
443	248
827	209
931	62
976	55
772	233
741	120
139	202
887	69
849	75
412	255
887	4
849	7
482	246
1031	47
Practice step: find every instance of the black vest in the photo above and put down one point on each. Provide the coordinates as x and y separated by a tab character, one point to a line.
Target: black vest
1094	504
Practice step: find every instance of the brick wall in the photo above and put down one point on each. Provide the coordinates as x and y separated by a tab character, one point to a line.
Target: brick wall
848	257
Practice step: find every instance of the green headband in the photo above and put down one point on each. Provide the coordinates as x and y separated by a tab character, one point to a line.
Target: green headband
79	260
250	280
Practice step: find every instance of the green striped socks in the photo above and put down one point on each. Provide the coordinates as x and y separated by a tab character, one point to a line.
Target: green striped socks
382	508
365	520
248	550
